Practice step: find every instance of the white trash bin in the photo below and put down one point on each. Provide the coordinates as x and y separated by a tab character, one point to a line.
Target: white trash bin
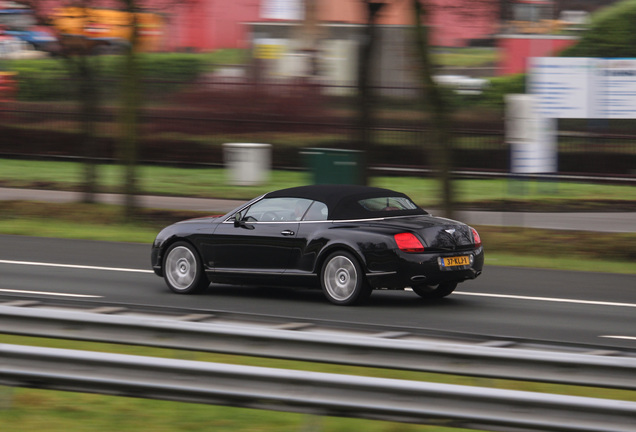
247	164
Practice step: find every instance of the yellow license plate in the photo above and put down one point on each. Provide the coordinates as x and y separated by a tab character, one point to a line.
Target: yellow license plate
456	261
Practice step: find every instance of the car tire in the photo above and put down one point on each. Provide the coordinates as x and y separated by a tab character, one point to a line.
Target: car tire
183	270
434	292
342	279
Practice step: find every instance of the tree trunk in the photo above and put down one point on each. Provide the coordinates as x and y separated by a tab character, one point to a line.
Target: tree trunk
129	117
441	146
364	139
89	106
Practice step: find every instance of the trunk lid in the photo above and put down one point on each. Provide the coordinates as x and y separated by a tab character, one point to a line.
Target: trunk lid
438	233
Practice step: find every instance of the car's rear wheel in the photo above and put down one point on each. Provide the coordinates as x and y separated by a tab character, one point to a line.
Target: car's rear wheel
342	279
433	292
182	269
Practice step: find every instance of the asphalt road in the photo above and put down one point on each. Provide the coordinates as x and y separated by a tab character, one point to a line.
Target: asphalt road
547	305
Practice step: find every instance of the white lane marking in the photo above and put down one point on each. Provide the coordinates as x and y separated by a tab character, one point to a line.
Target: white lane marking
619	337
548	299
506	296
48	293
73	266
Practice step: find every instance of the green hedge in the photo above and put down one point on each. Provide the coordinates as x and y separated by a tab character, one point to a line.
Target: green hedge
41	79
50	78
494	95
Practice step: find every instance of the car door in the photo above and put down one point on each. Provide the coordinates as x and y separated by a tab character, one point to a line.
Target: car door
259	239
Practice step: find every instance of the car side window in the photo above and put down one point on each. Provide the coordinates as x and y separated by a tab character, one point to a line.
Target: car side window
277	210
387	204
317	212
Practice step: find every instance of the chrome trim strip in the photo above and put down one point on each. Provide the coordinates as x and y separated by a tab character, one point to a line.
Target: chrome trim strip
269	222
331	220
387	273
262	272
380	218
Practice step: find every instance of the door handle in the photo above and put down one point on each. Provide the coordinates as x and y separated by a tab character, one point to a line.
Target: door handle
287	232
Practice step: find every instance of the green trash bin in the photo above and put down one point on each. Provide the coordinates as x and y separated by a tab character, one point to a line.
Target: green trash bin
333	166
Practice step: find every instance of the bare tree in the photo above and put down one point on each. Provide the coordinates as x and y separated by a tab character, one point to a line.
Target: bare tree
130	112
83	67
439	109
78	54
438	106
364	122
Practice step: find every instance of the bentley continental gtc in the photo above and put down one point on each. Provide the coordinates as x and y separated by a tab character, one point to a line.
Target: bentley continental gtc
346	240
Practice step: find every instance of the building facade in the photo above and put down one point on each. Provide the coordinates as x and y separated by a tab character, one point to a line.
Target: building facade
206	25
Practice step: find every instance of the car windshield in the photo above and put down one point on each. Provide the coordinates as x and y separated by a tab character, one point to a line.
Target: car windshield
387	204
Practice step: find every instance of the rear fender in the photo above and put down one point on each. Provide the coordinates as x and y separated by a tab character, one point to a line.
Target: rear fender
329	249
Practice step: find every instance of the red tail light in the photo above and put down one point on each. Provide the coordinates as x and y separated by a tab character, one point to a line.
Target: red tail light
407	242
476	237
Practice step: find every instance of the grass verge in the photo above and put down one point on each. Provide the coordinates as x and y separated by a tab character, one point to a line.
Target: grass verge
503	194
505	246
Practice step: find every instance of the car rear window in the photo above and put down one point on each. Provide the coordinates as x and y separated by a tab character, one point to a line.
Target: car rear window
387	204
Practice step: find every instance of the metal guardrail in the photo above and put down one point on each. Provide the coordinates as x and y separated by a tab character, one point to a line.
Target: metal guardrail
310	392
384	351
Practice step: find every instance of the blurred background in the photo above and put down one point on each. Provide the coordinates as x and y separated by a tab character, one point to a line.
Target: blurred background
227	100
171	82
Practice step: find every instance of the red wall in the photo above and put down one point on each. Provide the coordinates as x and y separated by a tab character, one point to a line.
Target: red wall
516	49
206	25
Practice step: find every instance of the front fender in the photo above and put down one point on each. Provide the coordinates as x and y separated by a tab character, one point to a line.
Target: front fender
164	239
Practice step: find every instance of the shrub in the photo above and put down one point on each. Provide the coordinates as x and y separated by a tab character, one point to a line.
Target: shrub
50	79
494	95
611	33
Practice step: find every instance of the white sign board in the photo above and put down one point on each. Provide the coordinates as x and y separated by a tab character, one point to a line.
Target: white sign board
584	87
615	89
283	10
532	138
561	86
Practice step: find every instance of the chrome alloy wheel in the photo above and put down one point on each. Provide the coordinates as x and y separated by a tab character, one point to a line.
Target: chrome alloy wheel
181	268
340	278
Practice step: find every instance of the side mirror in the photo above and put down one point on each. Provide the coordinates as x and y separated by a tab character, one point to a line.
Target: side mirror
239	222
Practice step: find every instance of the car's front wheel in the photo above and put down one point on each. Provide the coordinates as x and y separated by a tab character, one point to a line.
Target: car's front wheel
182	269
432	292
342	279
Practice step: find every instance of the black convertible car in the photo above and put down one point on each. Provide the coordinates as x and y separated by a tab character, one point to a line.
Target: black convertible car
346	239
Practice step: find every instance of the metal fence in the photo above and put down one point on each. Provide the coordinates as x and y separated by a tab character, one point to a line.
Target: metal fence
189	124
317	393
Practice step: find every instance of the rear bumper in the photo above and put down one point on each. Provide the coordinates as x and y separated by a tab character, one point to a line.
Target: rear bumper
425	269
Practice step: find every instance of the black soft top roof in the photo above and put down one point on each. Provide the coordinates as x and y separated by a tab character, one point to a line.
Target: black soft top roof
343	200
